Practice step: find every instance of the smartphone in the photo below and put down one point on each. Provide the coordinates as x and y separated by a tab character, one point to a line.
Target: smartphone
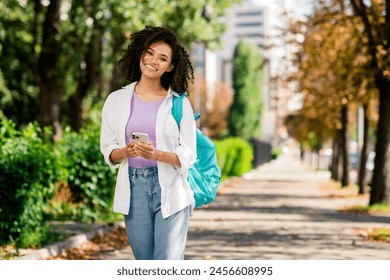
140	137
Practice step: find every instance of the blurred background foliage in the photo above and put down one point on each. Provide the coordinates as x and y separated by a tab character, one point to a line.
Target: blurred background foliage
57	54
246	110
342	72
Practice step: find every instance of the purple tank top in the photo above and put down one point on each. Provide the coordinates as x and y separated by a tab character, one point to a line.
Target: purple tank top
142	119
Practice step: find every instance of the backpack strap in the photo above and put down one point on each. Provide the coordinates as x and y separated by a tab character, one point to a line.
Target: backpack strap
197	116
177	109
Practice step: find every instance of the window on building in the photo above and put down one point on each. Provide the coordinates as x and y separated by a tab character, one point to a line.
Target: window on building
248	24
249	13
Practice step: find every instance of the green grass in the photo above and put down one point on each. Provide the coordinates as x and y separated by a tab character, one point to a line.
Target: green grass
376	234
47	235
380	208
376	208
382	234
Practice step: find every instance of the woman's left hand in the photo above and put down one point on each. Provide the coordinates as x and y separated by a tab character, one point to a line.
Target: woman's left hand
146	151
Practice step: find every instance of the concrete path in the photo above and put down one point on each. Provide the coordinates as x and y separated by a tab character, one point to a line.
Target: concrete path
280	211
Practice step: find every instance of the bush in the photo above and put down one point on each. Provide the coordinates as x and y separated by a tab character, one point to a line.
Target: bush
41	180
234	156
28	172
243	117
90	180
276	152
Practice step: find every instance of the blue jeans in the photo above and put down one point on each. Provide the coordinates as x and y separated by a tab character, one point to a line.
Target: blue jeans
152	237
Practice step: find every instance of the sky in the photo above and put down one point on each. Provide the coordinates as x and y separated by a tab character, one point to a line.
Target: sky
299	7
275	8
302	6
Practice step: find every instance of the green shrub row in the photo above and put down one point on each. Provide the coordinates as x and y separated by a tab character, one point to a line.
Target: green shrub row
234	156
41	180
28	171
89	179
276	152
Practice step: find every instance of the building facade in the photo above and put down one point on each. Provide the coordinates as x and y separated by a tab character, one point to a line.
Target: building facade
249	22
244	22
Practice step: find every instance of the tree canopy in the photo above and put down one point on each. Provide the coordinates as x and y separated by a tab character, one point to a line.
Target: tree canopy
343	62
245	112
58	57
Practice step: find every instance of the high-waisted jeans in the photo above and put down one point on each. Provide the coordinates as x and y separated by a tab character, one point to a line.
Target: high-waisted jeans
152	237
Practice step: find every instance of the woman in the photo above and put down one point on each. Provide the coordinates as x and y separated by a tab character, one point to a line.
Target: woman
152	189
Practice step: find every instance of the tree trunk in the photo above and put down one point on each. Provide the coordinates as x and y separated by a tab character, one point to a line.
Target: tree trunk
344	146
301	152
381	179
363	153
380	187
335	157
116	74
75	108
340	159
46	74
87	78
318	149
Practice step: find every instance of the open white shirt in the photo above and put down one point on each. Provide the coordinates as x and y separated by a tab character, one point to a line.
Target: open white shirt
176	193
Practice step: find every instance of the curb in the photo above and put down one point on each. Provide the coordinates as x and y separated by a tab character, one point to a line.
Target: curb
72	242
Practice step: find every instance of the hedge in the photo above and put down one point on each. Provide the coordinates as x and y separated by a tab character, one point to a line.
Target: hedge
234	156
34	172
28	171
90	180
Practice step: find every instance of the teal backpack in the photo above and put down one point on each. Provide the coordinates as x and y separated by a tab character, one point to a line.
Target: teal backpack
204	176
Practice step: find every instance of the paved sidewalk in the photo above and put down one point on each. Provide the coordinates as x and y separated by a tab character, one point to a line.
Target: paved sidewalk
279	212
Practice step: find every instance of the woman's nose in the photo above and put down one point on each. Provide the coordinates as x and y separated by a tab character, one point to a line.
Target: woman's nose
154	60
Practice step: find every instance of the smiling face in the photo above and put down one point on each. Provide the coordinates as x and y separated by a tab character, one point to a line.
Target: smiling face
156	60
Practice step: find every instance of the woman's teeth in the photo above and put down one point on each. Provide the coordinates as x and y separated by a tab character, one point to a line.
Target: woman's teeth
150	67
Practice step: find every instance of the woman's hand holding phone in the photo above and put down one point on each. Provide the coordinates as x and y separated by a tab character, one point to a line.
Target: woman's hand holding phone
129	150
146	151
138	137
141	146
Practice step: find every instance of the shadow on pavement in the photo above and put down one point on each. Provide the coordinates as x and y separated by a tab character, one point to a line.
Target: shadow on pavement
272	215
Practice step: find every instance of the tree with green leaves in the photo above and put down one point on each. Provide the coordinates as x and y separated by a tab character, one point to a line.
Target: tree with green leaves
245	112
60	53
18	93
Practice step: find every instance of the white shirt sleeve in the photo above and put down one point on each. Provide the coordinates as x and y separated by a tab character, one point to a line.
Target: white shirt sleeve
186	151
108	137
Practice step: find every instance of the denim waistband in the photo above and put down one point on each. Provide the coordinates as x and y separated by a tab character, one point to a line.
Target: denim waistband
146	171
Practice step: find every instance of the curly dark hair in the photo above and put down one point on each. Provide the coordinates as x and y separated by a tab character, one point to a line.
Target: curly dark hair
182	71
